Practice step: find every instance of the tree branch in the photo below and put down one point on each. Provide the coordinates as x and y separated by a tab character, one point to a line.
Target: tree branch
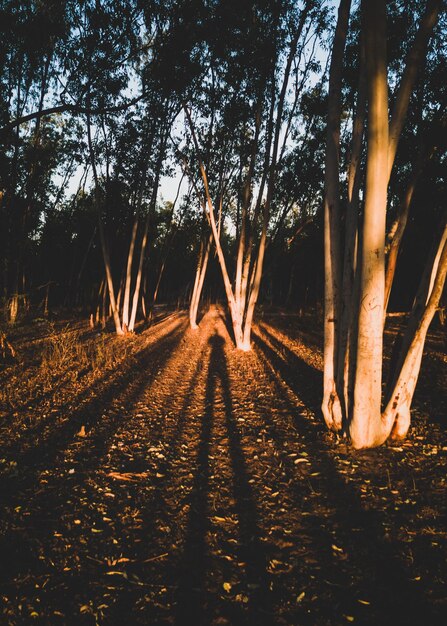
76	109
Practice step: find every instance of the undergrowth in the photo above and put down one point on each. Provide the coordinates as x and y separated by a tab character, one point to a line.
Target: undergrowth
63	356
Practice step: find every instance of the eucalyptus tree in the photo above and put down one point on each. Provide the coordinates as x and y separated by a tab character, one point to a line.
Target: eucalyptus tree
264	74
355	297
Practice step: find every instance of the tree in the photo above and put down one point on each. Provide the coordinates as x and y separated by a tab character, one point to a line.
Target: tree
352	394
276	45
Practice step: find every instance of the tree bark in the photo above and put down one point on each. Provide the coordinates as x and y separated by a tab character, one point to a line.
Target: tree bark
128	284
365	427
104	247
199	280
396	416
331	405
349	293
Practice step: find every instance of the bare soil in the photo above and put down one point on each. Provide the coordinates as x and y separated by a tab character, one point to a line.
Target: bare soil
170	479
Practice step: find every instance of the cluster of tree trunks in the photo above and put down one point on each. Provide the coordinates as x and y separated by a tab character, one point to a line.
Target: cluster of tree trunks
242	295
356	294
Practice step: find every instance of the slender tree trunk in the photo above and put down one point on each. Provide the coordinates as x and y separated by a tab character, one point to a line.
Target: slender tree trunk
259	263
241	270
254	291
396	416
234	313
98	302
331	405
349	294
109	278
365	427
129	274
193	302
199	280
104	247
136	293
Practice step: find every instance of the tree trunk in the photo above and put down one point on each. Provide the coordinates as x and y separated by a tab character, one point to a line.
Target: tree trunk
365	427
349	293
396	416
331	405
199	280
109	278
136	293
104	248
254	291
234	312
129	274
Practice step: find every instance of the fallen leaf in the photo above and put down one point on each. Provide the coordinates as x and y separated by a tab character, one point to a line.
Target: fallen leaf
127	476
336	548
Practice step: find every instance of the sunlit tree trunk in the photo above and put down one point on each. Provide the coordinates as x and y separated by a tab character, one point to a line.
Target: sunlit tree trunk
350	283
102	238
365	426
199	280
249	298
353	376
209	212
396	416
128	284
331	404
136	293
254	291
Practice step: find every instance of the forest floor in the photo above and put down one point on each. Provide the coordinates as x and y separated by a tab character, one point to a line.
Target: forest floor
169	479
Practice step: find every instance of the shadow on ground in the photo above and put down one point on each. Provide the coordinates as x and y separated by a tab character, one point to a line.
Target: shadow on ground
213	496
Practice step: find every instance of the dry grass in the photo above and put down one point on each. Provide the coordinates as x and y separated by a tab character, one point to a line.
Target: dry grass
69	352
59	355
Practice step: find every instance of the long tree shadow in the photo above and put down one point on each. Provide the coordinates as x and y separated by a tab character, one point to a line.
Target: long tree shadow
50	499
368	552
192	597
159	510
303	379
45	440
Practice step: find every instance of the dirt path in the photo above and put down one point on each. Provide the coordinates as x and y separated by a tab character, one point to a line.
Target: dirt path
205	491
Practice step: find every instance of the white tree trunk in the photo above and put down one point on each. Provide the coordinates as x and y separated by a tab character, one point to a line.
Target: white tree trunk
198	283
129	275
396	416
331	405
136	293
365	427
